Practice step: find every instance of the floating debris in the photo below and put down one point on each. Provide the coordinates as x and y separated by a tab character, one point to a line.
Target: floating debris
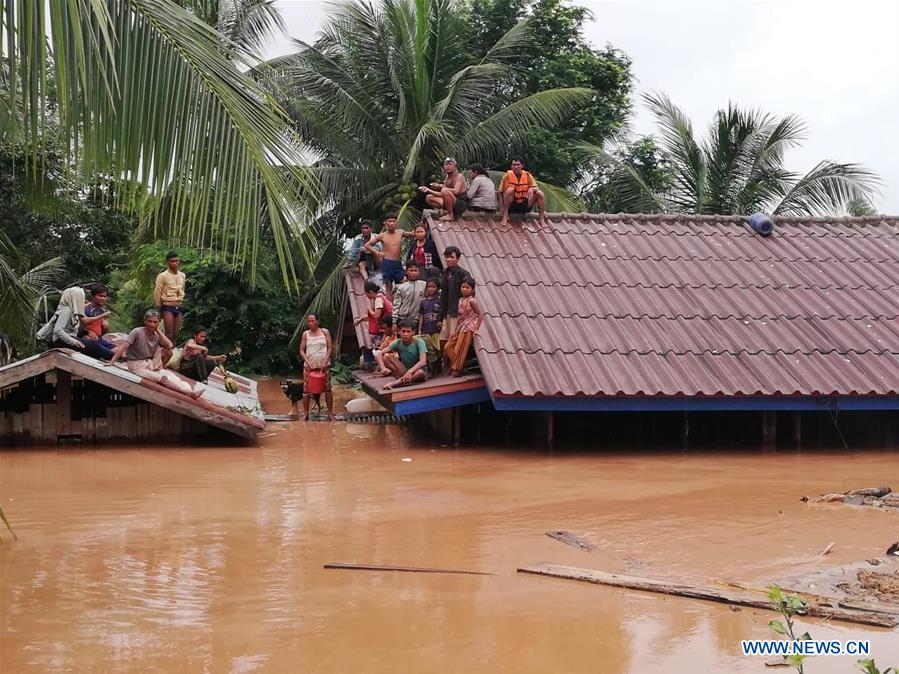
874	497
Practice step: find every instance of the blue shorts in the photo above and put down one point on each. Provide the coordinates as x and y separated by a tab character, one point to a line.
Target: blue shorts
177	311
392	270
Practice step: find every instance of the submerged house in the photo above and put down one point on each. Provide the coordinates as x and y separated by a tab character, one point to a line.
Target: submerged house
673	313
62	395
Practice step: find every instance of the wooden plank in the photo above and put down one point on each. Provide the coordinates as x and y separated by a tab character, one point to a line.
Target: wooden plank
25	369
404	569
570	539
63	404
753	600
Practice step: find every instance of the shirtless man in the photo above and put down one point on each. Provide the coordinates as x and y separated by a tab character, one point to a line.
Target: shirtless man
391	240
451	195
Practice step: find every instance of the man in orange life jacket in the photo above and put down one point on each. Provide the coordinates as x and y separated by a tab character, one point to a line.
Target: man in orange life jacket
519	192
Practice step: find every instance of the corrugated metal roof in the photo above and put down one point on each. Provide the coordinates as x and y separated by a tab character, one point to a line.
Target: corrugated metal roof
665	305
355	288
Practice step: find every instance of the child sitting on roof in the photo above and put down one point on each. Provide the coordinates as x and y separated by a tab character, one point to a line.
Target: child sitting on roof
470	318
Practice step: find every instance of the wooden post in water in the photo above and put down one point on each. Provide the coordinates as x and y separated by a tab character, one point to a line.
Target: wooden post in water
457	425
769	430
797	429
63	403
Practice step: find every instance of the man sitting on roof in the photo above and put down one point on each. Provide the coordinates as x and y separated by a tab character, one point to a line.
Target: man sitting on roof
140	349
412	364
451	195
519	193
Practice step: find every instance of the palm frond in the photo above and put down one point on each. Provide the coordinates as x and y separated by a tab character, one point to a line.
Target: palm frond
690	168
828	187
494	134
147	96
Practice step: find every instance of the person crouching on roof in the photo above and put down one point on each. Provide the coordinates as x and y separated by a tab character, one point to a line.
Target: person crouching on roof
470	318
451	195
520	193
140	348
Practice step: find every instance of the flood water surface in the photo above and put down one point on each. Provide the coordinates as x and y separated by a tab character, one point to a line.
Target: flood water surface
210	560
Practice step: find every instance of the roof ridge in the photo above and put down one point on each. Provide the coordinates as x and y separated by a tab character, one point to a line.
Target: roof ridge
694	286
654	317
680	258
690	352
703	217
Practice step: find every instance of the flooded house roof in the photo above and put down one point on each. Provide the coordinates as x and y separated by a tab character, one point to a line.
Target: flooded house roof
119	404
684	312
435	394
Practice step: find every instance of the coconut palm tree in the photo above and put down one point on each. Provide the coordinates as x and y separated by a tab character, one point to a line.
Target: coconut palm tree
246	25
144	95
739	168
388	90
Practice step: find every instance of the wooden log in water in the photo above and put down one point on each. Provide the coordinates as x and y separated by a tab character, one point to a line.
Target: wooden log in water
405	569
813	610
570	539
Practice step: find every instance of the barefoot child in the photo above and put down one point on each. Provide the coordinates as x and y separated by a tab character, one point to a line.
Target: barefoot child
470	317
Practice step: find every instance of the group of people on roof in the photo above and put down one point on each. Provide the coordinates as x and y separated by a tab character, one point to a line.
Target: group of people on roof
421	311
81	323
518	192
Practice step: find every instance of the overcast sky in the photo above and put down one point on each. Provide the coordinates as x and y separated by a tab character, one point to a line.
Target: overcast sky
836	65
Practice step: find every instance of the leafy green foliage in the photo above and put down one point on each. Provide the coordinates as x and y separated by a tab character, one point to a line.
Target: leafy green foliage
739	168
143	95
868	666
641	160
389	89
789	606
342	373
250	323
89	236
558	56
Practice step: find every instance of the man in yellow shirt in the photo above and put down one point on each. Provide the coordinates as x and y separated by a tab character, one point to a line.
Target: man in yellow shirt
168	296
519	193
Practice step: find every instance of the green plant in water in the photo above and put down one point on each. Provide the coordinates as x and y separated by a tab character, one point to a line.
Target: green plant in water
8	525
789	606
342	373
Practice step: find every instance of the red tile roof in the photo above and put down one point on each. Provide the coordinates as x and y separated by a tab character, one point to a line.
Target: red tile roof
665	305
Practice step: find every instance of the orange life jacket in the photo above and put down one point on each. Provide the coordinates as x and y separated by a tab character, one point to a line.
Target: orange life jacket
521	184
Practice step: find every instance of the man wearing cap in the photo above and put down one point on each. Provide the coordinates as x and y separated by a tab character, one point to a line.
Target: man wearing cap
451	195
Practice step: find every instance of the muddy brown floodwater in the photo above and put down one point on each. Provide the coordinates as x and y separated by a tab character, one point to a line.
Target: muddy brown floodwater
210	560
